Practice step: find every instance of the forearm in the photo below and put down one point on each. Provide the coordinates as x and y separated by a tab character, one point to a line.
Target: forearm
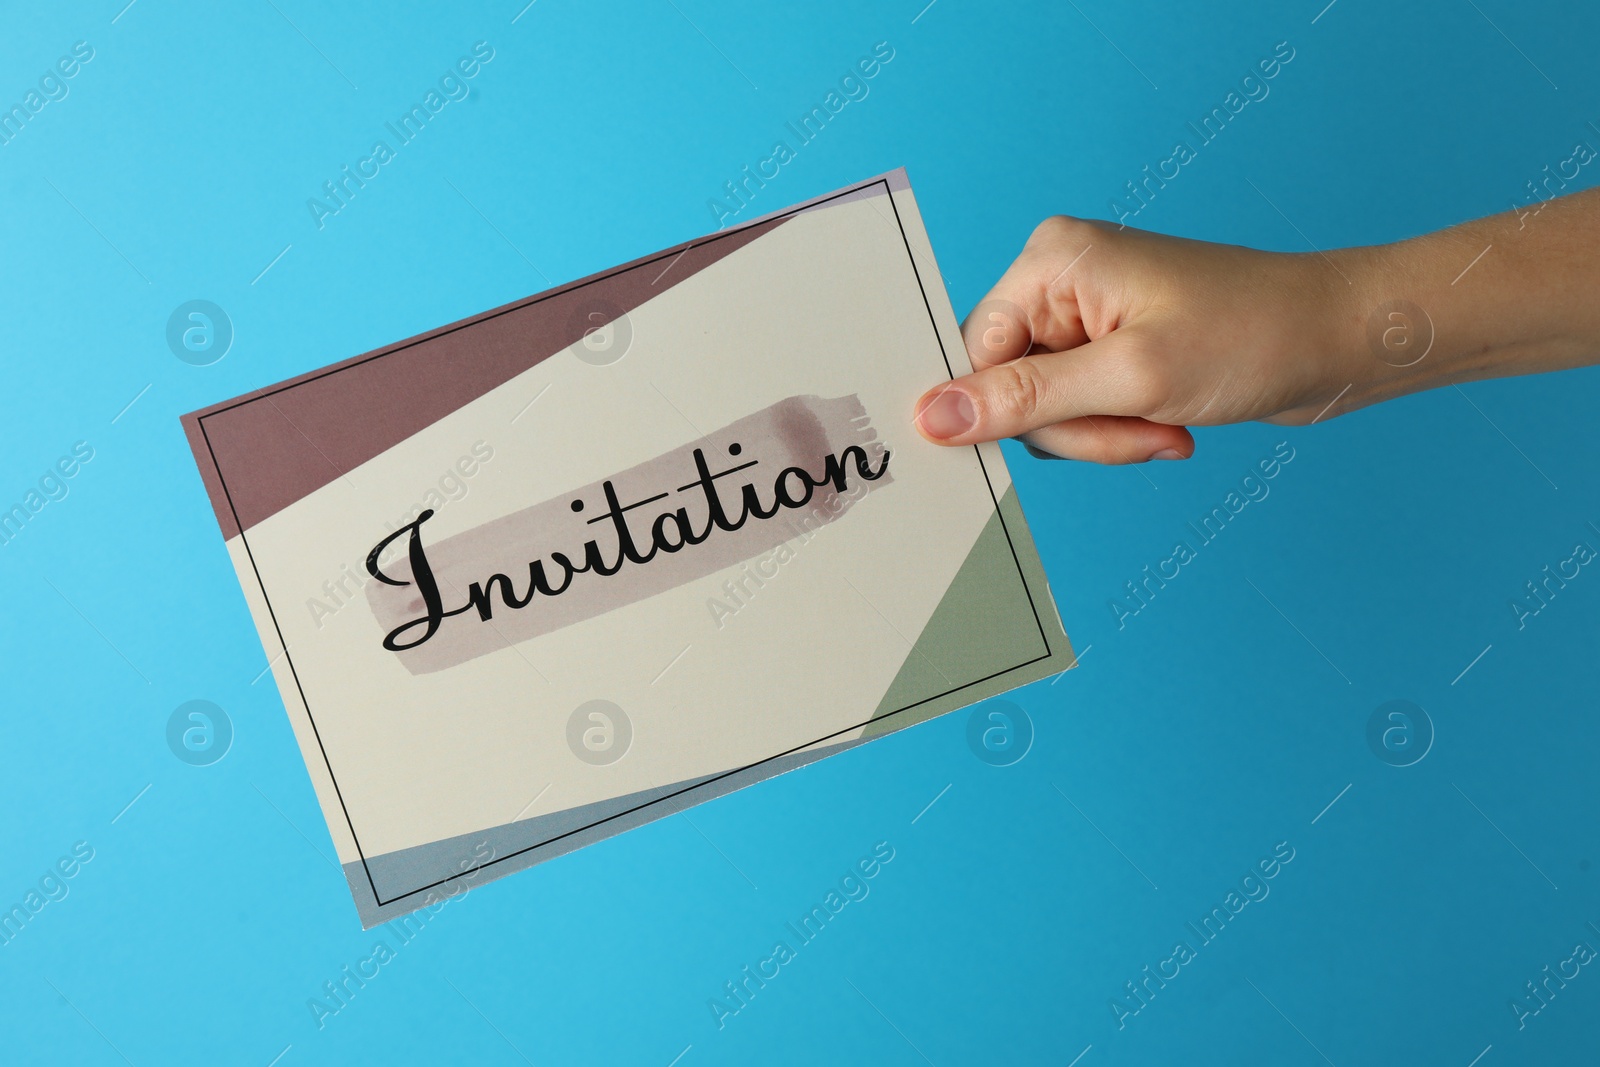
1515	293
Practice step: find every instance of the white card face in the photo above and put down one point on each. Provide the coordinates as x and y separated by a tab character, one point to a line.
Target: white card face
583	561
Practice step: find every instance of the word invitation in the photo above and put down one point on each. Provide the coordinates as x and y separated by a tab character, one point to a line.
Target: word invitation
580	562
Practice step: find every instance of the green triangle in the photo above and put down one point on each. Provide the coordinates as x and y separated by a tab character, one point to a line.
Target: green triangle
985	623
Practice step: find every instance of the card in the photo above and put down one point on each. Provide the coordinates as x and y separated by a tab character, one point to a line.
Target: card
585	560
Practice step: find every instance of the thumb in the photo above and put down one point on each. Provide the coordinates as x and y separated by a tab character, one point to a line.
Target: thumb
1103	377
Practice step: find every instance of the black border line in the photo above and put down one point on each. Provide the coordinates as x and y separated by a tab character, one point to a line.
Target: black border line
378	901
975	449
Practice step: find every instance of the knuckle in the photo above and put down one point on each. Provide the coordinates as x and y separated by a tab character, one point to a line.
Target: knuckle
1019	391
1055	228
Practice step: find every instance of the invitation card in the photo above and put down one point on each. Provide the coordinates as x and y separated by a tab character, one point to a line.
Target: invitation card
582	561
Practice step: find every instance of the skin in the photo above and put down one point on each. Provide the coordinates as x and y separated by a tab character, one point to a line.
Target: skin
1105	344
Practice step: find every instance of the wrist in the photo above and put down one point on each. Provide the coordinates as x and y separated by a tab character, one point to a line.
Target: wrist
1405	324
1370	338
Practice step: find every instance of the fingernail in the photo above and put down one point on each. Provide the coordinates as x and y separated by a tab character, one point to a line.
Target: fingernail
1169	453
1039	453
947	415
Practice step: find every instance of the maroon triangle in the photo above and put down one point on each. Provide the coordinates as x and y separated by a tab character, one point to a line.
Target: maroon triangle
281	443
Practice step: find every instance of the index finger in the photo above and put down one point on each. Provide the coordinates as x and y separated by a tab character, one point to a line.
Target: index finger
1033	307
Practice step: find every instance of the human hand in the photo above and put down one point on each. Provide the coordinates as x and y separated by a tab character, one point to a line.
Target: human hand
1104	344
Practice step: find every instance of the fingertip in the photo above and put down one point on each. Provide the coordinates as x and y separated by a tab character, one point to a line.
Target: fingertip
1179	443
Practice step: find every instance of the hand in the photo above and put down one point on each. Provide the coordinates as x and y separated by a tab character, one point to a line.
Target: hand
1104	344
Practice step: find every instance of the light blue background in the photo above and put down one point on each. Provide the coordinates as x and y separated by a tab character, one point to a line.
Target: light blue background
1195	738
